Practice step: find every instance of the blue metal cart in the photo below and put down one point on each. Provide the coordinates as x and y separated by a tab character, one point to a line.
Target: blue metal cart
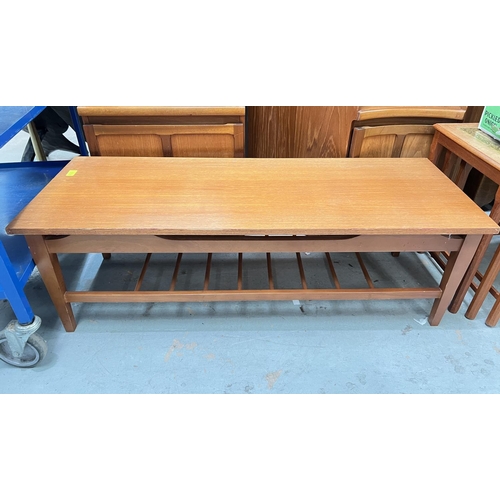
19	184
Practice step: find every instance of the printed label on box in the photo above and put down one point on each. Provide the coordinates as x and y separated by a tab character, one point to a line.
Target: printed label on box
490	121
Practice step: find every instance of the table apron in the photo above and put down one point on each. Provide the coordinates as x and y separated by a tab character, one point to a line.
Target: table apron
249	244
472	159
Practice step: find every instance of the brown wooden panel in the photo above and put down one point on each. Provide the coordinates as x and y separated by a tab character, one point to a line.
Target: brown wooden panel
378	147
225	141
299	131
253	244
386	141
322	131
416	146
130	145
203	145
164	122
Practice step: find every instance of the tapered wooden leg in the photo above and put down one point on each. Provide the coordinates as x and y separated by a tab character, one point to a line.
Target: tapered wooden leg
494	315
50	271
484	286
453	274
476	261
436	148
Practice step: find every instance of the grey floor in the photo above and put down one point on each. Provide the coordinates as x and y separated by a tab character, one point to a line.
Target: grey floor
377	347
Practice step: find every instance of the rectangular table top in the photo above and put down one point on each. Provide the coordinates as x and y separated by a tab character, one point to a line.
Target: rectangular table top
473	140
251	196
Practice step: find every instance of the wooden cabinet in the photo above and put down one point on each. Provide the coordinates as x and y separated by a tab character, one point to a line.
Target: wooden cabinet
299	131
164	131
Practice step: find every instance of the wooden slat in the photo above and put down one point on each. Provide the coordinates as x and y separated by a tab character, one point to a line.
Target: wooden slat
438	257
301	271
143	272
332	270
463	172
269	271
365	271
240	271
438	112
447	163
250	295
176	272
207	272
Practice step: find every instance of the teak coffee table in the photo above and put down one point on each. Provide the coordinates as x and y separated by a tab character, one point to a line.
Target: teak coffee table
197	205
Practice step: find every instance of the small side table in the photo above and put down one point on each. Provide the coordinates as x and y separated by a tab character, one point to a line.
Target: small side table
464	146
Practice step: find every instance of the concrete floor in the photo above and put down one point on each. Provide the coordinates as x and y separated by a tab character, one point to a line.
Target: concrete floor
378	347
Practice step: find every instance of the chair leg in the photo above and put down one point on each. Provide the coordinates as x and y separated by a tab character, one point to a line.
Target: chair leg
485	285
494	314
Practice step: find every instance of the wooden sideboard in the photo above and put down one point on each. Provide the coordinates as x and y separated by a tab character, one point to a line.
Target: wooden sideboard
186	131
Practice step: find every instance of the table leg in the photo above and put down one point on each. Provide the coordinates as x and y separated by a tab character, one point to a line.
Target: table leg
453	274
476	261
484	286
436	149
51	273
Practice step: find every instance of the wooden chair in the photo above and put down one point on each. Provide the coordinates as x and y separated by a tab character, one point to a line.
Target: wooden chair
391	141
408	115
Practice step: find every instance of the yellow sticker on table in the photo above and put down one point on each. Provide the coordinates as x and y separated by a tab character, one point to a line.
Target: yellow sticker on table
71	173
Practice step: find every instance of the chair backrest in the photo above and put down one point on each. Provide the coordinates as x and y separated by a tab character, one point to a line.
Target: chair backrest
411	115
164	131
391	141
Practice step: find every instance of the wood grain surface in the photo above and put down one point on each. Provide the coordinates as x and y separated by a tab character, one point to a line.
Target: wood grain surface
160	110
299	131
439	112
245	196
193	140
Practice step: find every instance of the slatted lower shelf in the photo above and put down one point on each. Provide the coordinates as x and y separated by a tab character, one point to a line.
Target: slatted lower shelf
270	288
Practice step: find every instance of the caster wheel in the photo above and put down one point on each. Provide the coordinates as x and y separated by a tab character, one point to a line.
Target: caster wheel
34	351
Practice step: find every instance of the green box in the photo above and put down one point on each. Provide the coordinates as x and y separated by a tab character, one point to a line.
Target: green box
490	121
